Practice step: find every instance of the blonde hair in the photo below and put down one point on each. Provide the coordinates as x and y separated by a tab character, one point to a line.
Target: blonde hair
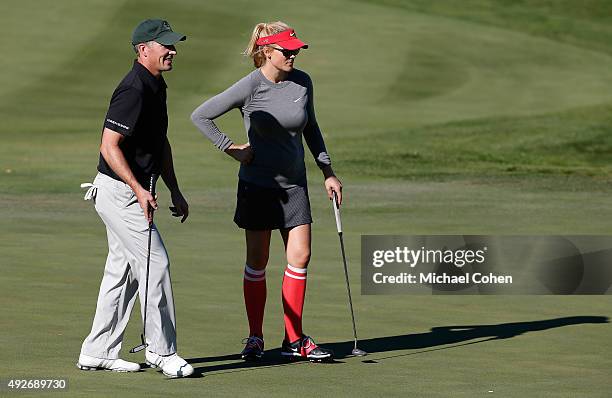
262	30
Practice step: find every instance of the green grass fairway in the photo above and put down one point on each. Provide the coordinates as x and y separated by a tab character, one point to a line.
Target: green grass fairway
445	117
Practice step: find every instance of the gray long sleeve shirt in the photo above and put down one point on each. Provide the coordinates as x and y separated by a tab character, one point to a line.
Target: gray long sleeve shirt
275	115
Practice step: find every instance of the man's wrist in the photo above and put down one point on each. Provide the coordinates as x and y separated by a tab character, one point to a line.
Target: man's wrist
139	189
134	184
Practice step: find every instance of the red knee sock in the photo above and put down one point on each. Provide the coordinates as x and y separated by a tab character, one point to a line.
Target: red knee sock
254	288
294	288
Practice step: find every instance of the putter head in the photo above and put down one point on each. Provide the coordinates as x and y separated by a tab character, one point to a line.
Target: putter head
358	353
138	348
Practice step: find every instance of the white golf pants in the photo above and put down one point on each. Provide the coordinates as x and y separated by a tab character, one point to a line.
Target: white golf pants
125	274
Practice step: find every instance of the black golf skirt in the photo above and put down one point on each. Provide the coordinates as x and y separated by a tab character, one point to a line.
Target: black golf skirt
262	208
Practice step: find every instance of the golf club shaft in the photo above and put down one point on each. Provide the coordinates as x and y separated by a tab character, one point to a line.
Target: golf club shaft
348	285
144	325
146	300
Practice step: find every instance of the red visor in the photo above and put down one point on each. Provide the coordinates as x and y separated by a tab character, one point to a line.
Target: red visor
286	39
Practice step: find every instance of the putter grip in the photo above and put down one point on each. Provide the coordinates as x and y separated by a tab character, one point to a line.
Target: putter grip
337	213
152	182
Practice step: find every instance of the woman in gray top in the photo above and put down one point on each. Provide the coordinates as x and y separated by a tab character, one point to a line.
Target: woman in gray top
276	103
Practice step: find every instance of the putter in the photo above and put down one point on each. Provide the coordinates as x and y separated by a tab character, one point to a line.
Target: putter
143	343
356	351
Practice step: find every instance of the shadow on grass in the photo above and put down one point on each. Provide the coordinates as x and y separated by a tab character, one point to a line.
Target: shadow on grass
455	336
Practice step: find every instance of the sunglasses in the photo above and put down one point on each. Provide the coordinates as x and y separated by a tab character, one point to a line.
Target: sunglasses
286	53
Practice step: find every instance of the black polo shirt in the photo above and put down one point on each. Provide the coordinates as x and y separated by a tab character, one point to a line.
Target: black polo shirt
138	111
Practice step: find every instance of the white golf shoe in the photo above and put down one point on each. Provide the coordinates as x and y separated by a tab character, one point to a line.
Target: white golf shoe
87	362
171	365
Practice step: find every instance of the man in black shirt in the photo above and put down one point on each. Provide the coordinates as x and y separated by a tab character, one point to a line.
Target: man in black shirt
135	150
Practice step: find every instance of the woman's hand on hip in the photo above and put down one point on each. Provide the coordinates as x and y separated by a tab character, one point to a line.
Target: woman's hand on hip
242	153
